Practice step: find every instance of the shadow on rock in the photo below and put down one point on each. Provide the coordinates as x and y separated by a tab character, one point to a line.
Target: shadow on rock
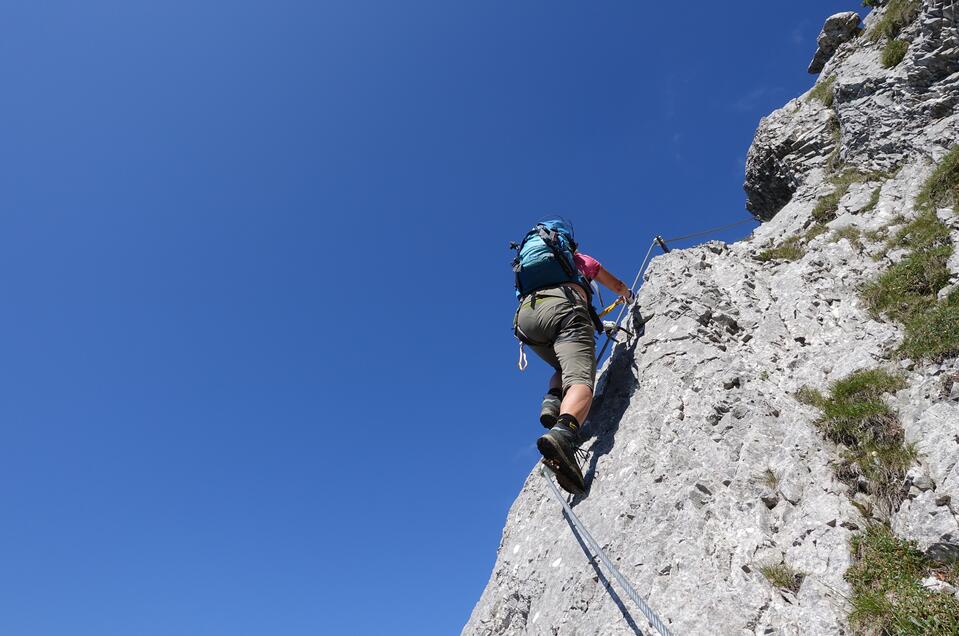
603	580
608	409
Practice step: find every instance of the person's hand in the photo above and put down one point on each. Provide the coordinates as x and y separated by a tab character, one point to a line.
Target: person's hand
628	297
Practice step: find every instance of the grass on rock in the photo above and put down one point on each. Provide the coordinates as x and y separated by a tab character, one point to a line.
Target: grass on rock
942	187
897	15
828	205
893	53
888	597
791	249
908	292
850	233
783	576
873	200
823	91
855	416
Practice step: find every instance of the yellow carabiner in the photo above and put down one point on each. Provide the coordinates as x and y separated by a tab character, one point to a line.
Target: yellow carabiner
619	301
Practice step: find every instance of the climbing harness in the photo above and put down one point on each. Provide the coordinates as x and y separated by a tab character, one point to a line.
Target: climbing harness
650	615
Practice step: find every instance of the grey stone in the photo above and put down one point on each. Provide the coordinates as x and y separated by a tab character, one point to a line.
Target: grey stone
838	29
936	585
943	552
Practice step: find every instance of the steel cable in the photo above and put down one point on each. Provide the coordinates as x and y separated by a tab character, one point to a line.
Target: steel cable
631	592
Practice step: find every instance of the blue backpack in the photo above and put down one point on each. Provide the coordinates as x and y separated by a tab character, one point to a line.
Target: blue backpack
545	258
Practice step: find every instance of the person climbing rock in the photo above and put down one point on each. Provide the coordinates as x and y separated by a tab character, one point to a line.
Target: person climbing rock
556	319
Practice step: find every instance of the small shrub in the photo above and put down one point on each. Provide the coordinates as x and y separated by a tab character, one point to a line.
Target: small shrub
823	91
897	15
783	576
893	53
888	596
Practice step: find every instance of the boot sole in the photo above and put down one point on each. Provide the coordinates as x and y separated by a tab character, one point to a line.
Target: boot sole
567	472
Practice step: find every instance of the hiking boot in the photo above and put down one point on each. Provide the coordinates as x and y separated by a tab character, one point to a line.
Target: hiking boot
550	410
558	448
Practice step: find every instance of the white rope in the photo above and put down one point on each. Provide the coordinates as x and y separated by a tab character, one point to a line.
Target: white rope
650	615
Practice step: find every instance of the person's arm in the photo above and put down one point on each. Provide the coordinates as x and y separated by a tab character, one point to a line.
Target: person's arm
611	282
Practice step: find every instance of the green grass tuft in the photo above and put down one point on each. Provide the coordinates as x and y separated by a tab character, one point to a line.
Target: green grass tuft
791	249
908	291
893	53
816	230
897	15
810	396
888	597
828	205
783	576
851	233
823	91
855	415
934	333
873	200
942	187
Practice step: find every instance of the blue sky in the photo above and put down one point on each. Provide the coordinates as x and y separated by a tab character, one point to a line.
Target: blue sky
258	375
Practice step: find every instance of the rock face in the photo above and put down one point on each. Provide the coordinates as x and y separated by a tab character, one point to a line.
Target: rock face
878	117
838	29
703	467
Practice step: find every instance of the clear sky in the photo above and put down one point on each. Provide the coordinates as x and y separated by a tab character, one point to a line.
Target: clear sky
257	369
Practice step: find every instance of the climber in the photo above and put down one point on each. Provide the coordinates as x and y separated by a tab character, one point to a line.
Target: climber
556	319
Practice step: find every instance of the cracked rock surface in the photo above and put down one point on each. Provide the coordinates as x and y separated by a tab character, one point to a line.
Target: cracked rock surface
703	467
879	116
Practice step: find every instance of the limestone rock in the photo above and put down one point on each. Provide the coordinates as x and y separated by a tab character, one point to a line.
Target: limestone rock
789	144
838	29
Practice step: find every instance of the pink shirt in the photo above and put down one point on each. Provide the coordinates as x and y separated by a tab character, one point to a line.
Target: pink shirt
587	265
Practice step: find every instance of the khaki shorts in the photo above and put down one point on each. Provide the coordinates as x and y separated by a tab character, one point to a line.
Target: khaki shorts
555	323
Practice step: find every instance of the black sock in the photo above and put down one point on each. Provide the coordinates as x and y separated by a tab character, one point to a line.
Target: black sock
556	393
568	421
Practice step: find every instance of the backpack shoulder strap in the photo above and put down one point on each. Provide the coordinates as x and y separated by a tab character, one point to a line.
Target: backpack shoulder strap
552	242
